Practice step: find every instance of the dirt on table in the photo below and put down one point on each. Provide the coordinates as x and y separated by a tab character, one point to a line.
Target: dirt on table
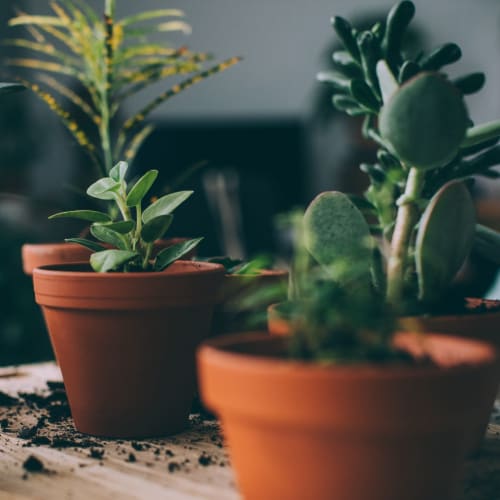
43	418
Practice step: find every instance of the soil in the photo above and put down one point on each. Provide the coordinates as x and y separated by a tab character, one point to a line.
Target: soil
43	418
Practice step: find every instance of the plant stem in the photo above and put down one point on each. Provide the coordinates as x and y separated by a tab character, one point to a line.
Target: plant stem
406	219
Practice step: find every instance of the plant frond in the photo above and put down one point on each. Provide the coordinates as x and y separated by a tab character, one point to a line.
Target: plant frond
67	120
44	48
156	28
48	66
136	142
151	14
36	20
130	125
72	97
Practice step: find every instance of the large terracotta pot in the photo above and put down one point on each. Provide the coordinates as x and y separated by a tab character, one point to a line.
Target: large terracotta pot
126	342
47	254
229	316
300	430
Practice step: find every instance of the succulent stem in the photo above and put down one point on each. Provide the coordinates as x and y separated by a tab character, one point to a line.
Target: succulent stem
407	217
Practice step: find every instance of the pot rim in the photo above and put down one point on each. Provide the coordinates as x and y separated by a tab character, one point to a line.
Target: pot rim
220	352
54	271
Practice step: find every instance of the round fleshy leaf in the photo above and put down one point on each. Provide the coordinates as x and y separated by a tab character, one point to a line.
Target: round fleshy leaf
104	189
444	239
425	121
156	228
141	188
337	235
110	260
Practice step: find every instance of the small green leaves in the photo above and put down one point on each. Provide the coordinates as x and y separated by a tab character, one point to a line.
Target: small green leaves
444	239
110	260
471	83
122	226
119	171
173	253
398	19
425	121
141	188
91	245
156	228
165	205
87	215
107	235
104	189
344	32
361	91
387	82
446	54
481	133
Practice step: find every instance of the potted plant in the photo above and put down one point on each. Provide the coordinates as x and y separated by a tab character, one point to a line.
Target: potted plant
111	61
125	328
343	408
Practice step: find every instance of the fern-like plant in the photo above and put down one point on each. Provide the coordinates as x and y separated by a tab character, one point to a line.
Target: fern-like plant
111	60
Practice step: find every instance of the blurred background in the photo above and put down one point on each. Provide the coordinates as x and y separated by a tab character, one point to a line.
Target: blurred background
263	133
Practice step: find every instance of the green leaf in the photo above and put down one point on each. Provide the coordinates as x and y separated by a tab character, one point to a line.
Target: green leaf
8	88
119	171
122	227
487	243
104	189
156	228
109	260
344	32
106	235
446	54
173	253
388	84
165	205
88	215
471	83
141	188
481	133
444	239
151	14
91	245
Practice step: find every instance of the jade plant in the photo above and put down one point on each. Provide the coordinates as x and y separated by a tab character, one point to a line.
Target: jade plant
134	232
407	237
89	65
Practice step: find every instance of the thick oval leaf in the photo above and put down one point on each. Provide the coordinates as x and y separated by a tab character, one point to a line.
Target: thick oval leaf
337	235
165	205
122	227
425	121
106	235
88	215
119	171
109	260
173	253
9	88
444	239
91	245
156	228
141	187
103	189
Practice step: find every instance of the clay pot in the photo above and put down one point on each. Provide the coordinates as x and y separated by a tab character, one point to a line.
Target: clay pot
229	317
47	254
126	342
278	319
482	325
300	430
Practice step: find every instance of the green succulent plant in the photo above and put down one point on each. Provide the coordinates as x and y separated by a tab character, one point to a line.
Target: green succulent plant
111	60
415	225
134	231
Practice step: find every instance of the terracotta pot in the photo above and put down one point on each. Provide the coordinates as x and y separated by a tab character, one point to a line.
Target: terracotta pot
299	430
125	343
484	326
278	320
47	254
229	317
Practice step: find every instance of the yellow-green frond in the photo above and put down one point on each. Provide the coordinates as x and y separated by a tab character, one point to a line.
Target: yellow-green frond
36	20
48	66
151	14
136	142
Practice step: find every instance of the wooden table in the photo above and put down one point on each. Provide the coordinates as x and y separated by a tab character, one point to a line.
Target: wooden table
191	465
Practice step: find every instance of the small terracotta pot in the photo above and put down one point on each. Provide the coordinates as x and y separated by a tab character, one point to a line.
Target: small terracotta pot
299	430
228	317
126	342
48	254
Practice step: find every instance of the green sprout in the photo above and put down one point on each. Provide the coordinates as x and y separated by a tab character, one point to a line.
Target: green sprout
136	229
111	60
